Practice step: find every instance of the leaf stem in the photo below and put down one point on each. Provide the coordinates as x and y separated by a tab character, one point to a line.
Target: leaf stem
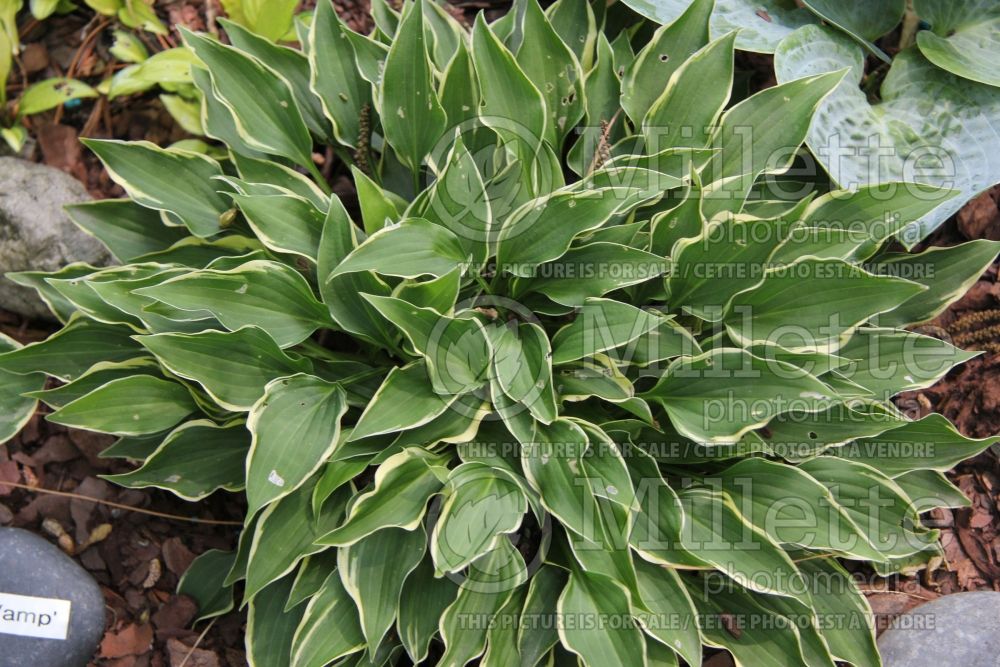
318	177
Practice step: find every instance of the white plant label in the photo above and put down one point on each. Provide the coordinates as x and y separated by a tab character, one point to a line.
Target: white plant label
27	616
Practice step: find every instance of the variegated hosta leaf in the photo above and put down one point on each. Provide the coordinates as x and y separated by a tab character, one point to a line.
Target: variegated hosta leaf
581	376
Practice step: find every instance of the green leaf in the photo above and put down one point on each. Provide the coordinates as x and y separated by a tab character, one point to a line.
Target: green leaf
203	581
277	175
137	405
290	64
51	93
373	570
234	368
901	134
684	31
543	229
720	395
270	18
482	504
284	222
523	368
270	628
404	400
312	572
329	629
555	72
931	443
189	196
412	116
335	76
68	353
929	489
377	209
194	460
835	595
421	603
510	102
686	111
601	324
127	229
266	113
666	611
300	409
887	362
595	596
409	249
948	274
398	499
267	294
963	37
16	408
813	305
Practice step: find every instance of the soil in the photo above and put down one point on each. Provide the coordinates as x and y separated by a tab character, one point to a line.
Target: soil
139	554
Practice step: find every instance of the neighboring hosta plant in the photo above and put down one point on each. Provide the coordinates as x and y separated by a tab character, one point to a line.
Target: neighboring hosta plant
576	378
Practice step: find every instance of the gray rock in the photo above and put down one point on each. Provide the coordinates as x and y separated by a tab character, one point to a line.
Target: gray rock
960	629
35	232
51	609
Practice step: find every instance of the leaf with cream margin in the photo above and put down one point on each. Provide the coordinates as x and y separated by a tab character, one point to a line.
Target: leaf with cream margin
930	127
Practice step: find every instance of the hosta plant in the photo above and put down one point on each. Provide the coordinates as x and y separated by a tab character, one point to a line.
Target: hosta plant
578	377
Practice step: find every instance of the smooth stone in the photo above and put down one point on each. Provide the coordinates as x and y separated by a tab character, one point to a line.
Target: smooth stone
32	566
36	234
960	629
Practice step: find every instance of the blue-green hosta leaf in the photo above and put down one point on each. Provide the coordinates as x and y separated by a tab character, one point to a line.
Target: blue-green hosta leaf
501	638
421	603
798	435
554	70
301	409
286	533
686	111
312	572
684	31
405	400
864	21
511	104
948	273
409	249
284	222
71	351
96	376
373	571
813	305
329	629
718	534
602	100
190	196
378	209
203	581
906	125
270	628
412	116
538	633
522	364
592	270
718	396
793	508
234	367
750	143
138	405
266	114
668	340
596	596
931	443
255	170
196	459
403	484
491	581
964	37
601	324
481	505
16	408
264	293
888	361
127	229
666	612
290	64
